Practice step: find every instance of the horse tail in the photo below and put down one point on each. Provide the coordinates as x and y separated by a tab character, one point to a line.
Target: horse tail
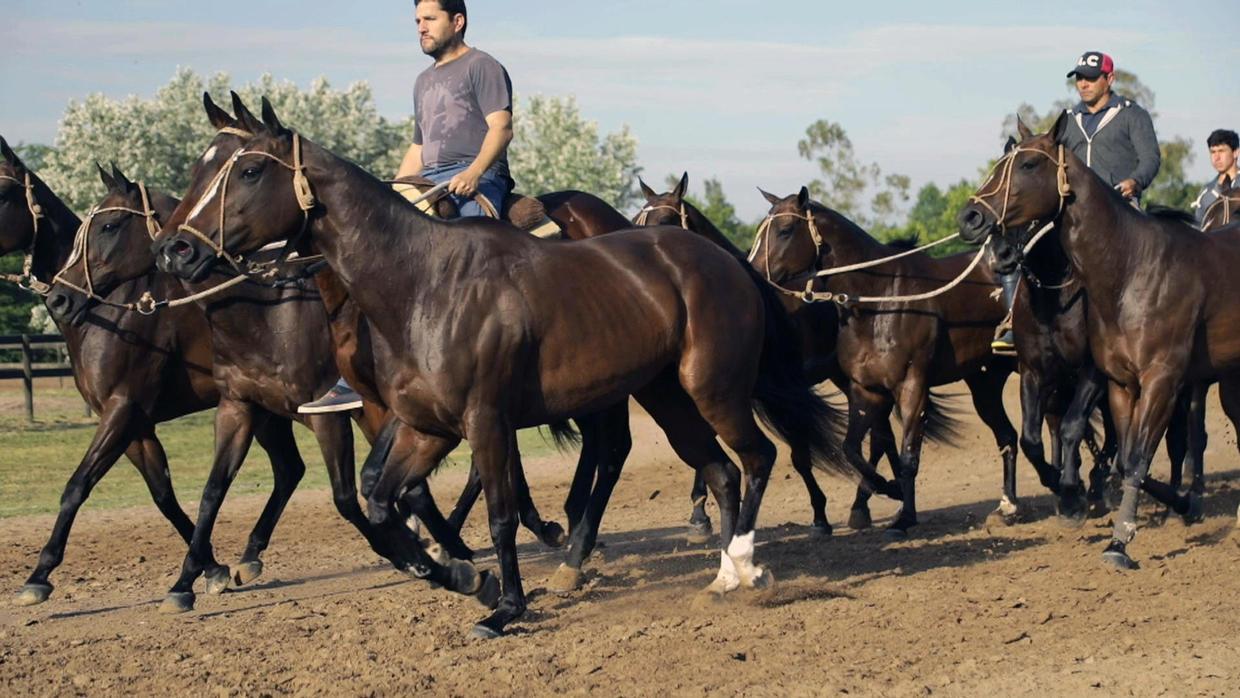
564	436
784	399
941	423
379	451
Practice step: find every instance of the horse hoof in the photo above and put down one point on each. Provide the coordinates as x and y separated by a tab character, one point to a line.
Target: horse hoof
998	517
896	534
1072	520
699	532
217	580
177	602
33	594
1117	557
247	572
565	579
484	632
764	580
859	519
489	591
463	577
553	535
1196	510
821	529
1098	508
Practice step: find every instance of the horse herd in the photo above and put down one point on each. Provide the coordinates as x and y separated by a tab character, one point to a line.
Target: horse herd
285	267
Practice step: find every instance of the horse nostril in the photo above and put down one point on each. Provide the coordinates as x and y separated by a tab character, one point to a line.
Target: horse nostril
58	303
182	249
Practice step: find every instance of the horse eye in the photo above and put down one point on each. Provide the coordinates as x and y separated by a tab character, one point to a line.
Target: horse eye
1028	165
110	227
251	173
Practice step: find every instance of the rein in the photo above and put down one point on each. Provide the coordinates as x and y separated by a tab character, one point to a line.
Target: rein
26	280
809	295
1226	209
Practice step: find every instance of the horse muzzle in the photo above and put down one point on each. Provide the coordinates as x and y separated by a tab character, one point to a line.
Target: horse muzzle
66	306
975	224
182	258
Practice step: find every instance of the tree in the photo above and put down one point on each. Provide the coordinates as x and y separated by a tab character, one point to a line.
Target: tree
554	148
158	140
1171	187
715	206
933	216
847	181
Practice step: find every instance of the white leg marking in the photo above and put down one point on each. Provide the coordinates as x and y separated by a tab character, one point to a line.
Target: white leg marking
741	552
1006	507
727	579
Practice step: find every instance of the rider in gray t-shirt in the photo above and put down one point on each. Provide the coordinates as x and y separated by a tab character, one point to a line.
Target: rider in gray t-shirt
463	109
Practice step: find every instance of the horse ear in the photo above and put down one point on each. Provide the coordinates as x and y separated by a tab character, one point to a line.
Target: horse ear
771	198
248	122
122	182
108	180
647	191
1007	147
1022	129
1060	128
681	187
803	198
8	153
270	119
217	116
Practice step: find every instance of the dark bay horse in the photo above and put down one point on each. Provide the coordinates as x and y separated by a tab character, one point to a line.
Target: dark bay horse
1224	211
135	371
479	332
893	352
817	324
1160	313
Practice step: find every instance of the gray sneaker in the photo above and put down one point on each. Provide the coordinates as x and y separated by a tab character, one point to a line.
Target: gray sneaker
340	398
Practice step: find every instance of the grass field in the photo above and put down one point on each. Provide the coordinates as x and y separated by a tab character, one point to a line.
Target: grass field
37	459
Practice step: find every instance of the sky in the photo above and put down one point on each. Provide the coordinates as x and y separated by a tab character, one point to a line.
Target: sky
719	89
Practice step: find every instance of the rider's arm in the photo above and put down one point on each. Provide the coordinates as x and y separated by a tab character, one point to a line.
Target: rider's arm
411	164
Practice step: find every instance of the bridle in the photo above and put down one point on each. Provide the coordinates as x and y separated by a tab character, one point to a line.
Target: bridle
81	246
764	229
644	214
26	280
301	189
1004	166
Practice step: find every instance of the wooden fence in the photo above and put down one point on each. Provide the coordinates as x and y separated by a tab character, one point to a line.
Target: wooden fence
28	368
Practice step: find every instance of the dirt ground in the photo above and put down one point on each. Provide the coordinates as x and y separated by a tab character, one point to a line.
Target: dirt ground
962	608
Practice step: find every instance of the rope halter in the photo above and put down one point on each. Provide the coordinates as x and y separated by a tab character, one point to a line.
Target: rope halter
644	214
1004	167
1227	201
301	189
26	279
764	236
81	247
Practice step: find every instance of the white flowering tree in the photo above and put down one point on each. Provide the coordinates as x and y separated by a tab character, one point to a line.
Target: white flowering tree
157	140
554	148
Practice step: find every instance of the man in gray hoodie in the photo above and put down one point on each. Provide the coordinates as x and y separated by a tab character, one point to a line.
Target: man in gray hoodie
1113	135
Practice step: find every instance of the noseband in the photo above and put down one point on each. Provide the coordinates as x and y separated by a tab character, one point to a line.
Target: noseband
1004	185
301	189
644	214
26	279
81	245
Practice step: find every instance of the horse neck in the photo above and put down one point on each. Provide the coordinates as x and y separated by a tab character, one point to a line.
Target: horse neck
57	230
1096	234
703	226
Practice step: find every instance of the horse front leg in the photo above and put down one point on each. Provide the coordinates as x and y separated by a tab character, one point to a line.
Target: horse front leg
494	442
1151	412
912	401
868	412
1073	429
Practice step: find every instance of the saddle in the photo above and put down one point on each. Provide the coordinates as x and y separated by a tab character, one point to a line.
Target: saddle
524	212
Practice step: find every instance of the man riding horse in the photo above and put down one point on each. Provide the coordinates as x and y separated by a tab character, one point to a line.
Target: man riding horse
463	125
1113	136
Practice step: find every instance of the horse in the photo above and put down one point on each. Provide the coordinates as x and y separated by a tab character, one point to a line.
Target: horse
893	352
480	332
135	371
1225	210
817	325
1159	314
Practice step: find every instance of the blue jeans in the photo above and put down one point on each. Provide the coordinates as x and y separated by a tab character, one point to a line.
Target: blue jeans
492	184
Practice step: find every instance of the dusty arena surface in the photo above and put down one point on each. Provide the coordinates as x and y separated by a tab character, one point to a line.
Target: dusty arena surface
962	608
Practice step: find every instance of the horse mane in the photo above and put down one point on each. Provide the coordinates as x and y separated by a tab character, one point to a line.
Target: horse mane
1170	213
903	243
712	233
852	228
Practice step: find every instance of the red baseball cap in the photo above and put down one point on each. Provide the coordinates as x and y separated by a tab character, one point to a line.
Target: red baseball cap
1092	64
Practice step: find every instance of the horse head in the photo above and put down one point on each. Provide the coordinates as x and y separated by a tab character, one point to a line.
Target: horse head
788	243
112	246
1027	187
19	211
664	209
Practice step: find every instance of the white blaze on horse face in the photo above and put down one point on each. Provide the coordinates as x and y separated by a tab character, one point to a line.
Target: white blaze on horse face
216	183
207	156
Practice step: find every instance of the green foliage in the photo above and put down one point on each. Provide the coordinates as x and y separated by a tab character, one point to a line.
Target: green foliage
158	140
715	206
933	216
846	181
33	155
554	148
15	304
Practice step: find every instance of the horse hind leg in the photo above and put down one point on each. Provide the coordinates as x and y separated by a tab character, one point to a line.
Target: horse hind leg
287	469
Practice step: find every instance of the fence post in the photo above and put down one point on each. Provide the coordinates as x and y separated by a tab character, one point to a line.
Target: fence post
28	378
